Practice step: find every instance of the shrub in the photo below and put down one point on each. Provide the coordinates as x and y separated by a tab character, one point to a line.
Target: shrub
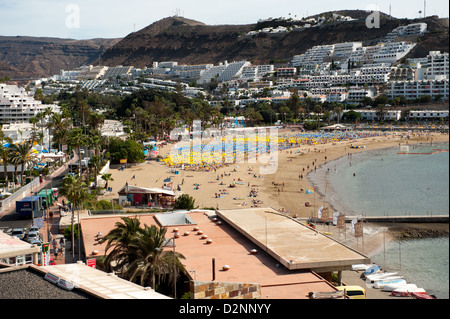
184	202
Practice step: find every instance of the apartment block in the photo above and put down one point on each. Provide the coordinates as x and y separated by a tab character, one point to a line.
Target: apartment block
286	72
371	115
416	89
413	29
18	105
427	115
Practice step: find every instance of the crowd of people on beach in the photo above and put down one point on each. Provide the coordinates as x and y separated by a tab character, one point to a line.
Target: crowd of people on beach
196	158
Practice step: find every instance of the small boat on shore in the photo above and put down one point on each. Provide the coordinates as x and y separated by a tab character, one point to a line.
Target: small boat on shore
405	292
380	276
371	270
380	284
392	287
382	281
360	267
418	295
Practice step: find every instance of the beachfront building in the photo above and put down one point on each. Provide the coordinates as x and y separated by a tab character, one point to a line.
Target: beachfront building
19	105
130	195
437	66
437	89
428	115
374	115
251	257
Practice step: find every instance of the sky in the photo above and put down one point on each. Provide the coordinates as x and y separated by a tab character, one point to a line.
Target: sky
87	19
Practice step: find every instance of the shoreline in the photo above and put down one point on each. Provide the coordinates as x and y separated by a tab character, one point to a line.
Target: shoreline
283	190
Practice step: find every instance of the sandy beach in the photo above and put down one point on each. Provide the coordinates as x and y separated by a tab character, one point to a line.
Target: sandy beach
284	190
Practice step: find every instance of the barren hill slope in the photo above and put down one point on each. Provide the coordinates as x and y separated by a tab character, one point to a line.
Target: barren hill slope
41	57
191	42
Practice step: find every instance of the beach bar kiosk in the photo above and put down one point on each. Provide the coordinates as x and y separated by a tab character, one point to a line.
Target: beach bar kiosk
30	206
143	196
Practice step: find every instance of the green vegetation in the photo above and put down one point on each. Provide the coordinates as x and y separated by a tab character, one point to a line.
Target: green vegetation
137	253
184	201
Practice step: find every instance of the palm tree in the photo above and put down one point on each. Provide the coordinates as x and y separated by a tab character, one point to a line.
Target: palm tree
23	155
119	238
76	191
58	125
5	155
106	178
95	163
60	136
338	111
149	260
139	253
77	139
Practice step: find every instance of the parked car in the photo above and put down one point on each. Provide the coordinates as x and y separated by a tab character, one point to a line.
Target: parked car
353	292
18	232
36	242
32	236
33	228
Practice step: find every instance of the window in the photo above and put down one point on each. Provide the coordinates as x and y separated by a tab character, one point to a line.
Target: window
20	260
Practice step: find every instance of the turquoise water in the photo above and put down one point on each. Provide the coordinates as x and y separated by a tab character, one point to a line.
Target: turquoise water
383	182
423	262
388	183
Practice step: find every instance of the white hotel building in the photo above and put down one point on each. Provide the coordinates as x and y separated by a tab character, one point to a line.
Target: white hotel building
415	89
427	115
18	105
372	115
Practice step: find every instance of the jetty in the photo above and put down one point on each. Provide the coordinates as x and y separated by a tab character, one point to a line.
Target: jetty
401	219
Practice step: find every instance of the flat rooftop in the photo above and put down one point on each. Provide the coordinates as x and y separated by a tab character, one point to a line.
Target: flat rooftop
293	244
100	283
228	247
11	246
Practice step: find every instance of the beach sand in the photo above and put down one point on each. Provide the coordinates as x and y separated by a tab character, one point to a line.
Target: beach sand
284	190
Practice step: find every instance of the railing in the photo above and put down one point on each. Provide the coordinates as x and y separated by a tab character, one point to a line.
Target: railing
18	195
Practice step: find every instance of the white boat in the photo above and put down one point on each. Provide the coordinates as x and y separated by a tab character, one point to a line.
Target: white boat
392	287
385	279
371	270
359	267
380	276
380	284
405	292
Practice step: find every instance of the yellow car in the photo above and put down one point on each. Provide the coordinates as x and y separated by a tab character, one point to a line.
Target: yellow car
353	292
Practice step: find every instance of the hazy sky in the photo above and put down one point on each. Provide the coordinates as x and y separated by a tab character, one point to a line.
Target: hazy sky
86	19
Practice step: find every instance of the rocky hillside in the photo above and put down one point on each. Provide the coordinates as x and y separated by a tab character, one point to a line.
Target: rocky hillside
40	57
192	42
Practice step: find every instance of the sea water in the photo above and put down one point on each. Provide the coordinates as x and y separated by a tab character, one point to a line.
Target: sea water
385	183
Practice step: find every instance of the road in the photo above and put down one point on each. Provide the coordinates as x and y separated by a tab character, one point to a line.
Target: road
11	220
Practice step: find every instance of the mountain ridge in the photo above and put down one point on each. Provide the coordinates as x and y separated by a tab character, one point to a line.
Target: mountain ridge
188	41
200	43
